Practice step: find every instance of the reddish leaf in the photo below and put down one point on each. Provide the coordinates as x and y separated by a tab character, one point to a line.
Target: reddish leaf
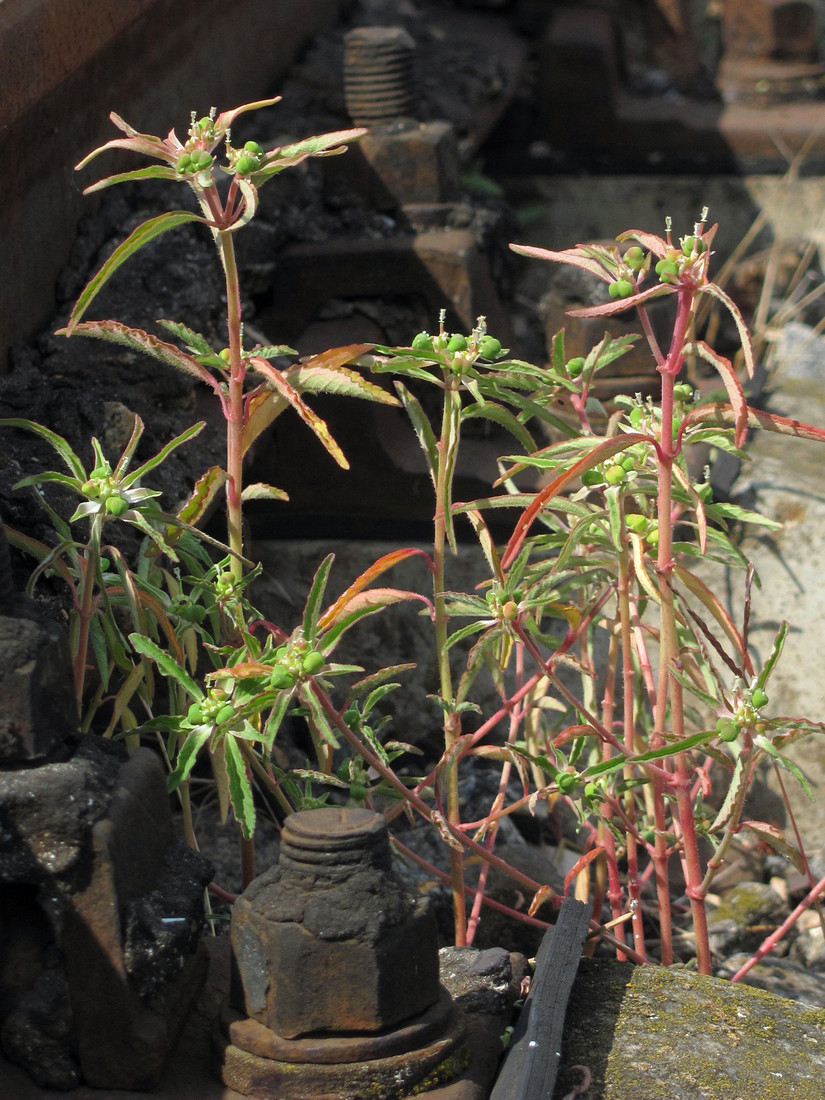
598	454
387	561
732	385
619	305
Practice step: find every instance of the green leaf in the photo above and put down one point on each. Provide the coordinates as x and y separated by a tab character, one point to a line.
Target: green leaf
203	495
279	381
138	340
276	717
195	342
259	491
153	172
499	415
781	761
163	453
316	595
167	664
187	755
776	650
57	441
136	240
273	351
774	838
240	792
318	717
422	428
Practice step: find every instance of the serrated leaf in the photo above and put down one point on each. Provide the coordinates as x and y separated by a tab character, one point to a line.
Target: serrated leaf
574	256
57	441
278	380
504	418
781	761
153	172
195	342
362	604
733	386
744	335
603	450
774	838
202	496
720	414
187	755
258	491
370	574
240	791
138	340
706	597
144	233
619	305
776	651
421	427
316	594
167	665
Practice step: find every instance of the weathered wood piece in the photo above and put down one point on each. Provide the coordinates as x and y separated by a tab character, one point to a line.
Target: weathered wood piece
529	1071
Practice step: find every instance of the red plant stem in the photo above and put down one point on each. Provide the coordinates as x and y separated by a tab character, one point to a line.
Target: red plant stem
408	853
775	936
606	839
630	741
235	418
88	563
452	721
494	815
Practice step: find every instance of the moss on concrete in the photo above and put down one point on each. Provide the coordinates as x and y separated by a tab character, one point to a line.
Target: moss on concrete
647	1033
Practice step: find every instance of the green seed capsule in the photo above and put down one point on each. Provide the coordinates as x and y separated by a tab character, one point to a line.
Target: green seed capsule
567	782
510	610
422	342
184	163
117	505
195	715
759	698
592	477
575	367
225	714
636	522
358	792
280	678
683	391
727	729
457	342
313	662
592	791
489	347
635	417
634	258
352	716
621	288
665	268
652	537
253	148
615	475
90	488
246	164
628	462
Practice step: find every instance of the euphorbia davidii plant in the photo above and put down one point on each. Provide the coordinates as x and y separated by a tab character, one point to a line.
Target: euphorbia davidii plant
657	750
252	391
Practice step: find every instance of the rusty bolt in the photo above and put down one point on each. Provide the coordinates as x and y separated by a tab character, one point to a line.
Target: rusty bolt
379	77
330	939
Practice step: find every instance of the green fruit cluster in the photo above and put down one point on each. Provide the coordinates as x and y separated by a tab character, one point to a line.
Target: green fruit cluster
196	161
215	709
620	288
